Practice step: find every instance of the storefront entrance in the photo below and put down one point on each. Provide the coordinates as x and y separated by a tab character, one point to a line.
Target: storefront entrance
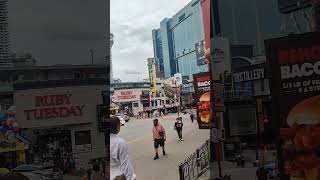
53	146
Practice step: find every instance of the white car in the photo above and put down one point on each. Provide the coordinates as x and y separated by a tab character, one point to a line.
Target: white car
122	121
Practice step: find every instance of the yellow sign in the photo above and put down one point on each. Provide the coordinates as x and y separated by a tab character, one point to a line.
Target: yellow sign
6	146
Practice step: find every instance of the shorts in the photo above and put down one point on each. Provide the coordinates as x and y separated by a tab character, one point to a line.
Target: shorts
158	142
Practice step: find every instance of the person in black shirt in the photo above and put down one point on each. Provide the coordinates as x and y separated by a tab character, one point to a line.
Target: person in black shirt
178	126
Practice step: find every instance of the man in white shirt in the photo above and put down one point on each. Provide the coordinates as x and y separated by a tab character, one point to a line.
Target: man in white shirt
120	164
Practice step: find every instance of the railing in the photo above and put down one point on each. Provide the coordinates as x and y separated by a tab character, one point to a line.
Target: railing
196	164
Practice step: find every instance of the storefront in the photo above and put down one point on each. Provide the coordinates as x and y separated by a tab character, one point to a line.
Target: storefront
61	123
130	99
13	144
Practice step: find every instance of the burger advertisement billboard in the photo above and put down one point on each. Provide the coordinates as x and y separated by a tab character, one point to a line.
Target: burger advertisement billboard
202	89
295	72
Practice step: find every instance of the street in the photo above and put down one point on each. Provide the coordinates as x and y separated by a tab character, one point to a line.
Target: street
137	133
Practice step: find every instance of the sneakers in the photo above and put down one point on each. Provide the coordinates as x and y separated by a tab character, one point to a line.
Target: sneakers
156	157
181	139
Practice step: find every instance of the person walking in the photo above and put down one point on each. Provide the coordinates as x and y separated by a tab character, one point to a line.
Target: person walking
120	164
159	138
178	127
192	116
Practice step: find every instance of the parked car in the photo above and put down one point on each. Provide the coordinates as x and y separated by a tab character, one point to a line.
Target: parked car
46	171
122	121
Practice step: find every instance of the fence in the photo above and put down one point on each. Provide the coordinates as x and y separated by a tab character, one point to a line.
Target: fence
195	164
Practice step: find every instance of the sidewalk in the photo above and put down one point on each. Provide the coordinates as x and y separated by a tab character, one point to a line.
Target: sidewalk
230	168
142	153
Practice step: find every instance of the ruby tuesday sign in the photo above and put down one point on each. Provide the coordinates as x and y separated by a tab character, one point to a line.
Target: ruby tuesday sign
54	106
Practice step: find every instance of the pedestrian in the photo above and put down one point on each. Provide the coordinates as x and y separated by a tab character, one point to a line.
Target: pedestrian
178	127
120	164
159	137
191	117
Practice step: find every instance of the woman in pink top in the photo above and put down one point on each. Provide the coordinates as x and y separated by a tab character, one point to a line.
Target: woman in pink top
159	137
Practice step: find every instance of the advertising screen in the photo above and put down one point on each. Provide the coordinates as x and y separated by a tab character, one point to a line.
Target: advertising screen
295	77
202	89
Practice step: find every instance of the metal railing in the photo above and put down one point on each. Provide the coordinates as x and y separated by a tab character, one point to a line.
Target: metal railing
196	164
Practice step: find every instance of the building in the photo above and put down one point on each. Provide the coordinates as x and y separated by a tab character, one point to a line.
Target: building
111	67
72	115
250	22
4	33
174	43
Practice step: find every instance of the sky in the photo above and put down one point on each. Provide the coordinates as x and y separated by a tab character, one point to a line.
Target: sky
59	31
132	22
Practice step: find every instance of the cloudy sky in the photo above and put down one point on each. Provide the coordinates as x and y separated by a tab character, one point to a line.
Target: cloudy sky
132	23
59	31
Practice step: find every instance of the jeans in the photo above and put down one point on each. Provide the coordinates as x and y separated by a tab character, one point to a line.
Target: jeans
179	131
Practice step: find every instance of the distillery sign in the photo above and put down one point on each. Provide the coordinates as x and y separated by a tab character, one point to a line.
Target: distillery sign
54	106
249	75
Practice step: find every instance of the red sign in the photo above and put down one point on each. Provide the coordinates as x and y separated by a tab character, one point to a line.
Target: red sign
202	89
295	67
205	5
125	95
53	106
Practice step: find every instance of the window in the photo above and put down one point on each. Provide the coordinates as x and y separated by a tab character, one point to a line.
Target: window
135	105
82	137
156	102
181	18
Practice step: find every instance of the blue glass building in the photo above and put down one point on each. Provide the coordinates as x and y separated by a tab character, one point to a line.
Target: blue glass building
174	42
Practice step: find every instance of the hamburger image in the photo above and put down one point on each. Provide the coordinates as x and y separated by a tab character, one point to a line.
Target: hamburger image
204	107
302	140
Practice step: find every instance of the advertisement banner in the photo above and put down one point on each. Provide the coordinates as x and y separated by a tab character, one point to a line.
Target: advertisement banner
202	90
220	57
200	53
127	95
295	75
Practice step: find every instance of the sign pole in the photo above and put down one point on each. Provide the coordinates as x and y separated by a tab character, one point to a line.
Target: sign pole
213	115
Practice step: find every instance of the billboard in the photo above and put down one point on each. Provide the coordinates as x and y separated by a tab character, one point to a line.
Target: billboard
295	73
200	53
152	75
57	106
220	60
202	92
127	95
